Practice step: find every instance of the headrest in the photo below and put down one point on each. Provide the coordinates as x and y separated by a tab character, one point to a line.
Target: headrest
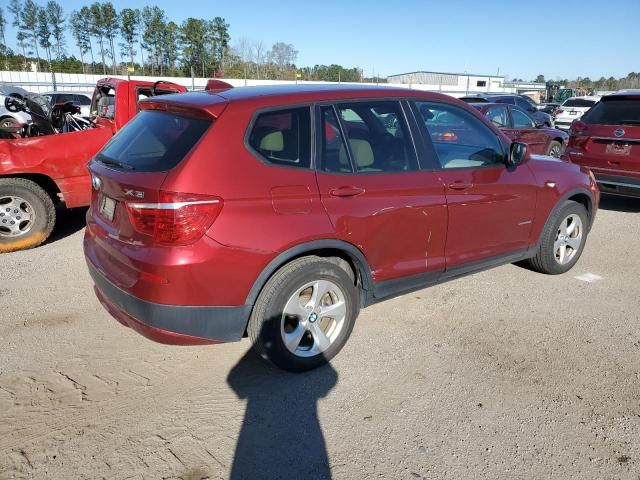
272	142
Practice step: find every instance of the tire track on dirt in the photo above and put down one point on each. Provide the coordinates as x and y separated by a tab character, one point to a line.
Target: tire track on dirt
191	375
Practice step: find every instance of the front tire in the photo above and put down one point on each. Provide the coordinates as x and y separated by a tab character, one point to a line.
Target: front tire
27	214
563	239
305	313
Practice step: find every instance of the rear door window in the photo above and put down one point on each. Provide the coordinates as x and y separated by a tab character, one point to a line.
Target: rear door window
283	137
614	111
153	141
498	115
378	138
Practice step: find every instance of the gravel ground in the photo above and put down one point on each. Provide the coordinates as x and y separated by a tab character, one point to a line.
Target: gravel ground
501	375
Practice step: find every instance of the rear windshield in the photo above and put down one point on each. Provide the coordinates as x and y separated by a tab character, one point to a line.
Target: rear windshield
153	141
579	102
615	111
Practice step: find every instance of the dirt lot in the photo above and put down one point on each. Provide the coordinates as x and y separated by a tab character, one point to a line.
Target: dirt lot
502	375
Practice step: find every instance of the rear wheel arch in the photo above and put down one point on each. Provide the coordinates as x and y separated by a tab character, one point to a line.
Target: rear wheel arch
320	248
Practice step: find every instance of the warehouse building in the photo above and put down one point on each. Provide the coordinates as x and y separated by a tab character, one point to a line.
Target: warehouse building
459	84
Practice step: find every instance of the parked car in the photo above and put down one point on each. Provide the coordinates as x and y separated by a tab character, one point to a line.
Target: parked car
281	211
82	99
572	109
519	126
9	120
607	140
41	172
522	101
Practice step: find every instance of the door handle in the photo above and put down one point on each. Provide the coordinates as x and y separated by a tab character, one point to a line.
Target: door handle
346	191
459	185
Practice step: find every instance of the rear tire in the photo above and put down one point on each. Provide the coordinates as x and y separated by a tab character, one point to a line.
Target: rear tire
562	241
287	325
27	214
555	149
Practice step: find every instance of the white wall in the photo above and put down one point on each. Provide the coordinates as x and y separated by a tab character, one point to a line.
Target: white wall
43	82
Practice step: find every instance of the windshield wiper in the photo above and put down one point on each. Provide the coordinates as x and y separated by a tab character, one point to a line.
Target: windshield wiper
115	163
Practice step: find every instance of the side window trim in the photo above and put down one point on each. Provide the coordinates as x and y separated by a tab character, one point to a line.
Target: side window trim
258	156
428	160
318	163
428	140
509	116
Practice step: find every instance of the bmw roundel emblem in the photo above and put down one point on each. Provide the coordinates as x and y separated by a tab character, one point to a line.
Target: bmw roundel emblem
618	132
96	182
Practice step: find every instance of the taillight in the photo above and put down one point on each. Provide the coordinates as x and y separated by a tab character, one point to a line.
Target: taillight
577	131
577	127
558	111
176	219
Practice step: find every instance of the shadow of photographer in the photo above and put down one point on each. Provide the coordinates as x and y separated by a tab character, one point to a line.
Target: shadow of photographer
280	437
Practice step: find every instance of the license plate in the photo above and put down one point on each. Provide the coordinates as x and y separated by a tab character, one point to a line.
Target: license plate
108	208
621	149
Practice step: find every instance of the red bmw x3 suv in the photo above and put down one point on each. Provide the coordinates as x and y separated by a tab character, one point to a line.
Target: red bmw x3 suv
279	212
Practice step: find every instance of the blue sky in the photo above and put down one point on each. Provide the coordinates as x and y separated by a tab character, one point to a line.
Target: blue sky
522	39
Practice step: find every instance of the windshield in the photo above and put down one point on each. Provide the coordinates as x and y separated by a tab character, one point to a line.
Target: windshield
615	111
153	141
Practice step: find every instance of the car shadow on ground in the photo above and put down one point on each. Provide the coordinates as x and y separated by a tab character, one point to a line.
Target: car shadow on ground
619	204
281	437
68	222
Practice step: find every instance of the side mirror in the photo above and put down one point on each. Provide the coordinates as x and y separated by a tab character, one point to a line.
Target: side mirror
517	154
539	123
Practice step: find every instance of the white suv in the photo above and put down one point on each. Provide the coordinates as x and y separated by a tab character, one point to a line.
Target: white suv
572	109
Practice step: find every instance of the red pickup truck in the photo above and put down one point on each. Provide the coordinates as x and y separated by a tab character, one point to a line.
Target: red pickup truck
39	173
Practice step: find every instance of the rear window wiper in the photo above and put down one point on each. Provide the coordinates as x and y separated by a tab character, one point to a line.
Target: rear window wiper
115	163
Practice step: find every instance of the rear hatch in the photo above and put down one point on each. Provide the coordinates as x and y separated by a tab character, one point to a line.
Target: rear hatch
608	136
573	109
129	208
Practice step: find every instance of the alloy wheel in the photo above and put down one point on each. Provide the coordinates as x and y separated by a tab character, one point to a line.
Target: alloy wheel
568	239
313	318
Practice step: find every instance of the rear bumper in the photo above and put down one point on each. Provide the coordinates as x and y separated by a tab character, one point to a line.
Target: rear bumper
171	324
563	124
618	185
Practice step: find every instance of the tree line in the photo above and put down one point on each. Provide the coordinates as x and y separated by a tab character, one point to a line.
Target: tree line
632	80
145	42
